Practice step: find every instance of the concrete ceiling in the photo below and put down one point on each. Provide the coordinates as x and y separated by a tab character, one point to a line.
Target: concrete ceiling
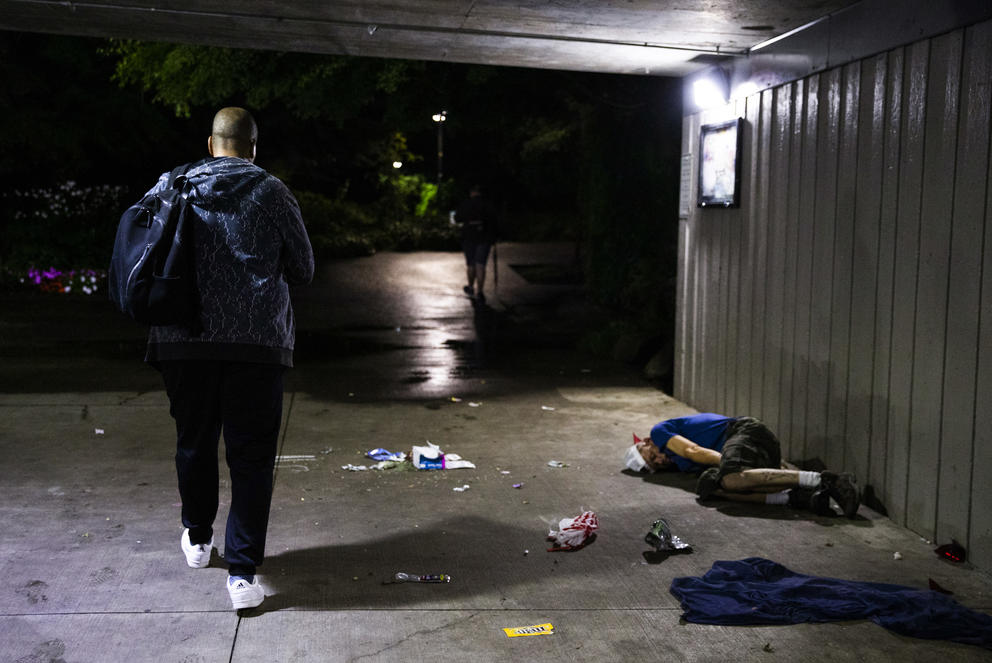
660	38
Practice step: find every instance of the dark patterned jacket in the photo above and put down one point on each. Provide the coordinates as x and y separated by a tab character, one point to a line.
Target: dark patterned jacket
250	246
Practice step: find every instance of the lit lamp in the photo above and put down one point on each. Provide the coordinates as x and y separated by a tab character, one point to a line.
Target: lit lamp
707	93
439	119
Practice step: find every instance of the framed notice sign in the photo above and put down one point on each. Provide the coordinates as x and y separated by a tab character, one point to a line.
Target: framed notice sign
720	164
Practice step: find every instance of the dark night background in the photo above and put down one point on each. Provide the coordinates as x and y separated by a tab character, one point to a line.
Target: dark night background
87	126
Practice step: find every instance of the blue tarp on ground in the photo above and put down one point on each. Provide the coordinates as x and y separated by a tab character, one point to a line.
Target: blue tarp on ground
760	591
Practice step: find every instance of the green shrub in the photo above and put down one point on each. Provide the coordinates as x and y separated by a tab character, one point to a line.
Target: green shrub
63	226
406	217
337	228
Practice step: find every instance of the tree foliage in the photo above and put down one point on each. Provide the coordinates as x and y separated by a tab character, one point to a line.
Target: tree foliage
309	86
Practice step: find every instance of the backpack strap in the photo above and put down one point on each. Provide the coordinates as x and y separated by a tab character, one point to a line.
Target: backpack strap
180	172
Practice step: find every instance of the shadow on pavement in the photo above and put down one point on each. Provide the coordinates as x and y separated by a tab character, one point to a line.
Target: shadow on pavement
359	575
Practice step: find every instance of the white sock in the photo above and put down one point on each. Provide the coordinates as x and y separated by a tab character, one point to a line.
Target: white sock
809	479
777	498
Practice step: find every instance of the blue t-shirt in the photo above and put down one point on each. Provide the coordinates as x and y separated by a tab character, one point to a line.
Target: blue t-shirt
706	429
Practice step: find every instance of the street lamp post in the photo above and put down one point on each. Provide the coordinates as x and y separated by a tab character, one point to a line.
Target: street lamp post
439	119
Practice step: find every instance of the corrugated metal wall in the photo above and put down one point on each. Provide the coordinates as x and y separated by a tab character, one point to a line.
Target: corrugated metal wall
848	301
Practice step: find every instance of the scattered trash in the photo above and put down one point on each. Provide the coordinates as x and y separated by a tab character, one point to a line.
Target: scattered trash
504	471
953	551
383	454
461	489
326	450
537	629
574	533
471	404
556	463
455	399
526	552
413	577
354	468
518	485
897	556
456	462
431	457
547	408
428	457
98	431
287	459
660	536
937	588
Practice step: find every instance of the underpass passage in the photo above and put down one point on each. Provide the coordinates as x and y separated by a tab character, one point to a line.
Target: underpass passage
389	326
398	326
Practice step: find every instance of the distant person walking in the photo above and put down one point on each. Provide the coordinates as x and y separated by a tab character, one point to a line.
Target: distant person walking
478	221
250	245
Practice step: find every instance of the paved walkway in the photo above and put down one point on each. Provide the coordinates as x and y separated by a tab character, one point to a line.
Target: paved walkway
90	548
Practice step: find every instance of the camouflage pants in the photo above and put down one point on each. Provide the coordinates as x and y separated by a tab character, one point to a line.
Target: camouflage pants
750	445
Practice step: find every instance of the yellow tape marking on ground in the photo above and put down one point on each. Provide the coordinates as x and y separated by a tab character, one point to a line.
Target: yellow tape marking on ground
537	629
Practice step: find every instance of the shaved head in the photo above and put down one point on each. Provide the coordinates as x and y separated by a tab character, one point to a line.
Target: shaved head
234	133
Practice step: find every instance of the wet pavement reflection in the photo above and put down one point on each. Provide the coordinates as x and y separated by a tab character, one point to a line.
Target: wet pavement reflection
399	326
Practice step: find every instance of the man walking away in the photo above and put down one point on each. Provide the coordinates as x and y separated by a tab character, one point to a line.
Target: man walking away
250	245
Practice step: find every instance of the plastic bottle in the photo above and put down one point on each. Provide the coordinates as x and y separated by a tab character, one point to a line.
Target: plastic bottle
413	577
660	536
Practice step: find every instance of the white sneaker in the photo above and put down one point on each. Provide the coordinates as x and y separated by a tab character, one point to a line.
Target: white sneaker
245	594
197	556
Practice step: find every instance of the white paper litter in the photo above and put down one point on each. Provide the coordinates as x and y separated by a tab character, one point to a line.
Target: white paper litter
431	457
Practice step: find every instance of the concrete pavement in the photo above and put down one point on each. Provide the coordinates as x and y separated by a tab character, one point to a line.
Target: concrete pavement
90	549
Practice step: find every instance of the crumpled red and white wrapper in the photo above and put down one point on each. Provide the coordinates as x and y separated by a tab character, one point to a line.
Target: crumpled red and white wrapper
573	533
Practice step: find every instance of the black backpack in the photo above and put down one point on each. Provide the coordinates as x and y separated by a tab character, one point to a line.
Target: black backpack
152	275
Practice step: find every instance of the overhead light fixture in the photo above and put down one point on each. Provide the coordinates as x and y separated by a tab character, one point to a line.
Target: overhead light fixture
786	35
708	93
